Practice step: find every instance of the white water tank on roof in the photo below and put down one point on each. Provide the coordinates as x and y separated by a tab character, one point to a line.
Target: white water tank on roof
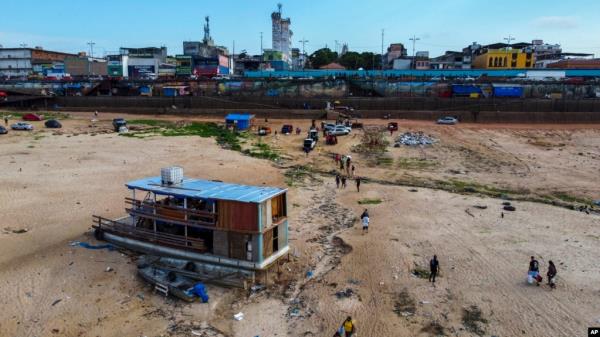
171	175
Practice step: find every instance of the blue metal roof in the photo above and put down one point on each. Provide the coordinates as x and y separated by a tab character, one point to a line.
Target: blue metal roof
239	116
207	189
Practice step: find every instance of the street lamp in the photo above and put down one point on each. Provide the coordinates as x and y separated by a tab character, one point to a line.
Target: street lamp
414	40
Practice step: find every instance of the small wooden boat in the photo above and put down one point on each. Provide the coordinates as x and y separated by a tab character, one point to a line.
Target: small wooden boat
168	282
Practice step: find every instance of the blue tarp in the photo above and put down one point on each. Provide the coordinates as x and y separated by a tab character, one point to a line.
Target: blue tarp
200	290
465	89
508	91
89	246
207	189
242	121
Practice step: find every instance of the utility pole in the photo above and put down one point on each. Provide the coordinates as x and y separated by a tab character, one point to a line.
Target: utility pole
261	44
508	40
91	59
231	69
382	34
414	40
303	41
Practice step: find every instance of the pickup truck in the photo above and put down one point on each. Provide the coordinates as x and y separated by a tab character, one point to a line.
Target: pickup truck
309	144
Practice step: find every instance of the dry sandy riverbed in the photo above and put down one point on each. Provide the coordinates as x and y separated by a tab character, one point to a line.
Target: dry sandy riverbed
52	184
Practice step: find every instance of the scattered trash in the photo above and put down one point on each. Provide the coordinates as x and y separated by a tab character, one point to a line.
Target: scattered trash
414	139
257	287
509	208
20	231
413	190
239	316
353	281
469	212
309	274
200	290
295	312
196	333
597	202
424	302
381	283
89	246
56	301
344	293
480	207
108	269
140	296
506	203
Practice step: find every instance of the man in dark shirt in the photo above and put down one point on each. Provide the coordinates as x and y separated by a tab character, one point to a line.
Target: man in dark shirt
433	268
534	269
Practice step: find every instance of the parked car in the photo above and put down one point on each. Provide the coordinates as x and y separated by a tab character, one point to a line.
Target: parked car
118	123
339	130
328	126
309	144
22	126
447	120
3	130
53	124
32	117
287	129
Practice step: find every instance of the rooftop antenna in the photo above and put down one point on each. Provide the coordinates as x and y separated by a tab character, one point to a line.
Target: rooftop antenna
207	29
279	5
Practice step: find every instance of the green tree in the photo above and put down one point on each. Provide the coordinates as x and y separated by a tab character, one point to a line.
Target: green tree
351	60
322	57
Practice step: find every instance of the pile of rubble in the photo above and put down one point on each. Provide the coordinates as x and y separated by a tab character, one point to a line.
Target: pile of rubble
414	139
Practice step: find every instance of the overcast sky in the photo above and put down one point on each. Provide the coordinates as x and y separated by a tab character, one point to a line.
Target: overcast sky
67	25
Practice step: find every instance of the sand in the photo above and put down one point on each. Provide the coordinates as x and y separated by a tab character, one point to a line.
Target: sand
52	184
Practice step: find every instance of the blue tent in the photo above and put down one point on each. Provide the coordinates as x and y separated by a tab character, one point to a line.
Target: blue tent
242	121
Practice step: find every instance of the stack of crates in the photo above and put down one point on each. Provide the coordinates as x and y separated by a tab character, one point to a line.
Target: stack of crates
171	175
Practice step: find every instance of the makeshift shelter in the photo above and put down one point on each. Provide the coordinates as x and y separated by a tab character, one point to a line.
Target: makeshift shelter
241	121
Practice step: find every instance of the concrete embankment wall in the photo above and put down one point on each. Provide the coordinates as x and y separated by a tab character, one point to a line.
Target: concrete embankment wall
468	110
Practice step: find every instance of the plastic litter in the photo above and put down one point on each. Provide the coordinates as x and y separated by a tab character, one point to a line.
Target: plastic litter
200	290
239	316
414	139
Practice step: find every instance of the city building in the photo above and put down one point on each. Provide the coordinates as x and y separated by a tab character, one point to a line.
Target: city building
84	65
282	35
575	64
117	66
421	60
143	63
183	65
395	51
503	56
469	53
207	58
450	60
275	59
16	62
244	62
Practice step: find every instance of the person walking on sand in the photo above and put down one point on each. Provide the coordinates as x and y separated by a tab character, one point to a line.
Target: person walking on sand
6	120
349	327
365	223
434	266
551	275
337	181
364	214
353	170
534	270
343	181
357	179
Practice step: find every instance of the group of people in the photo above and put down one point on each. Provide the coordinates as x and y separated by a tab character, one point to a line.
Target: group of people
345	163
340	181
533	274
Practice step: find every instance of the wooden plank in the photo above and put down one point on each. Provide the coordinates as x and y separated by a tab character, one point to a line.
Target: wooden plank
267	244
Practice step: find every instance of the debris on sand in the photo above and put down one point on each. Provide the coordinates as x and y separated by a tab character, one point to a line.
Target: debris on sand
344	293
405	305
414	139
472	320
509	208
434	329
20	230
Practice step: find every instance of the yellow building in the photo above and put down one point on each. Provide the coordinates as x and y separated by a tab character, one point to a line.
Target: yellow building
504	59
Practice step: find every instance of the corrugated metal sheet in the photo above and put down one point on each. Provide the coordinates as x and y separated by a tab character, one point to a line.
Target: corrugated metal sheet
207	189
237	215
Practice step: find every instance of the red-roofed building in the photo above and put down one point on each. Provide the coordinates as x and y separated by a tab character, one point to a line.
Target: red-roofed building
333	66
